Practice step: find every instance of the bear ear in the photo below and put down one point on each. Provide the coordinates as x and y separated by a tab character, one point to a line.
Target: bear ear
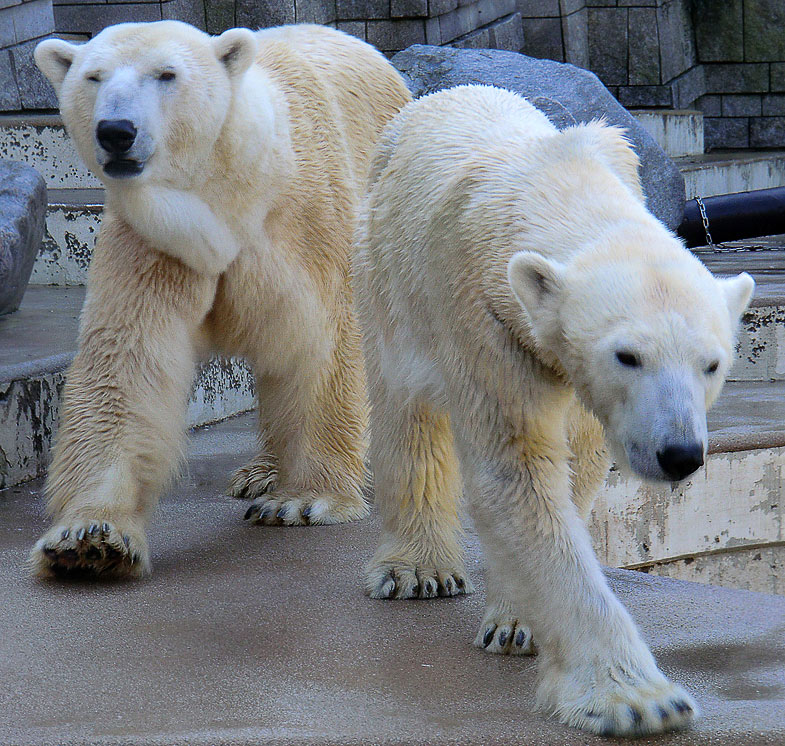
738	292
54	58
535	280
236	50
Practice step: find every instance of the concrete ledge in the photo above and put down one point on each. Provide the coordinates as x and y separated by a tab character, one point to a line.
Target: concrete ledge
254	635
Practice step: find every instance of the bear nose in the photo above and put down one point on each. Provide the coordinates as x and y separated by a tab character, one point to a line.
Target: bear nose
680	461
116	135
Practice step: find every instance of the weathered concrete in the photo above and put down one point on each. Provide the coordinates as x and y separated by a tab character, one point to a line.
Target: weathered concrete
257	635
566	94
36	346
727	173
678	132
22	210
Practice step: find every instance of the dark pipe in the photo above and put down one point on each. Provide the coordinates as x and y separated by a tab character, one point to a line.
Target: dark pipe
735	216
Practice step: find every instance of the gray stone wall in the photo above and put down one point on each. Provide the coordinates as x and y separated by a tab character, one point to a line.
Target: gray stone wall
23	23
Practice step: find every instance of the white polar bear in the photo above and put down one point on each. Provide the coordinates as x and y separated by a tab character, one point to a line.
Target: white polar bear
233	167
514	291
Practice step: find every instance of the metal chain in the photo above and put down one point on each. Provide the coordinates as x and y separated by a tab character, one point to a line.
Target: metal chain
720	248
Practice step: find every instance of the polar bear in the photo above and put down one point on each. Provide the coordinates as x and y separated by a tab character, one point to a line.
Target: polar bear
518	301
233	168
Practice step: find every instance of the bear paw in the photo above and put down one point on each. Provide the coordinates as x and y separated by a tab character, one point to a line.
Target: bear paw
611	701
85	547
505	635
322	509
254	479
397	580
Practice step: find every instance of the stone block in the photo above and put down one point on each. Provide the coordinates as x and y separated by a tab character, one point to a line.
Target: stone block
33	20
219	15
777	76
572	6
7	31
774	106
390	36
90	19
575	31
454	24
440	7
719	30
710	105
738	105
764	30
433	34
189	11
361	10
737	78
507	33
644	53
35	91
767	132
543	38
725	133
9	91
9	3
492	10
408	8
264	13
677	47
645	96
637	3
480	39
688	87
566	94
600	3
315	11
608	44
22	217
539	8
354	28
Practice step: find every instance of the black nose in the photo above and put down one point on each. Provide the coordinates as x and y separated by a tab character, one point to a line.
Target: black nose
116	135
680	461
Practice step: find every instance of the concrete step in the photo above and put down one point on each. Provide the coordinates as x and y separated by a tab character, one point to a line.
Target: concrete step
262	635
732	171
678	132
41	141
37	343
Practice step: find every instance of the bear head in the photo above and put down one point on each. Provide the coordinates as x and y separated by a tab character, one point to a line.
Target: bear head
645	340
147	100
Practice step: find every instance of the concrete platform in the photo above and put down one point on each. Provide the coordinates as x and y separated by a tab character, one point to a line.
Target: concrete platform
257	635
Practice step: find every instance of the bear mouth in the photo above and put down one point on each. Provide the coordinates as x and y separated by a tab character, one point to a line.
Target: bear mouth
123	168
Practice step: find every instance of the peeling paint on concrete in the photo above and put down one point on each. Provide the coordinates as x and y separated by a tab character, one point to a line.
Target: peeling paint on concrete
734	501
708	175
49	150
760	353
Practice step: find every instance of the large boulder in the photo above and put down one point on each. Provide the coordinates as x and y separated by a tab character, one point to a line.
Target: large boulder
566	94
22	216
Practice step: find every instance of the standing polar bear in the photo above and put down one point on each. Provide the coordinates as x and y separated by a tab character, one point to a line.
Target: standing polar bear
517	298
233	167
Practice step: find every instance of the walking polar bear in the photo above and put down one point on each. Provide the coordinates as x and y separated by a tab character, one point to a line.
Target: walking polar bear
517	299
233	168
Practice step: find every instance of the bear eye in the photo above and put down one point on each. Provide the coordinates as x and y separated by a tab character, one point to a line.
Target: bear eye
712	368
628	359
166	76
93	78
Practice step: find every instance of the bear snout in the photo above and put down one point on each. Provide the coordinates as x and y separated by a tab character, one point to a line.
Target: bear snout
679	461
116	136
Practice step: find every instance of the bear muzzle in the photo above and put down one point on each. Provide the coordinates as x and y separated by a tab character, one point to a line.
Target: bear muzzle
679	461
116	137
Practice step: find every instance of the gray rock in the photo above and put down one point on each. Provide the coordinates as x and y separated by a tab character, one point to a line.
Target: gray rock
566	94
22	215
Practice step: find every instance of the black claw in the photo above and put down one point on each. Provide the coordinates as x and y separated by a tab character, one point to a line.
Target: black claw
80	534
460	582
281	513
107	528
520	638
134	558
126	540
636	716
306	511
66	533
392	589
503	638
93	529
416	590
663	713
681	706
488	636
249	512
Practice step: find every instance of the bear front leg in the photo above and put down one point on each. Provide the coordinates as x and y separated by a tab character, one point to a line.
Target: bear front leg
122	424
596	673
314	419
